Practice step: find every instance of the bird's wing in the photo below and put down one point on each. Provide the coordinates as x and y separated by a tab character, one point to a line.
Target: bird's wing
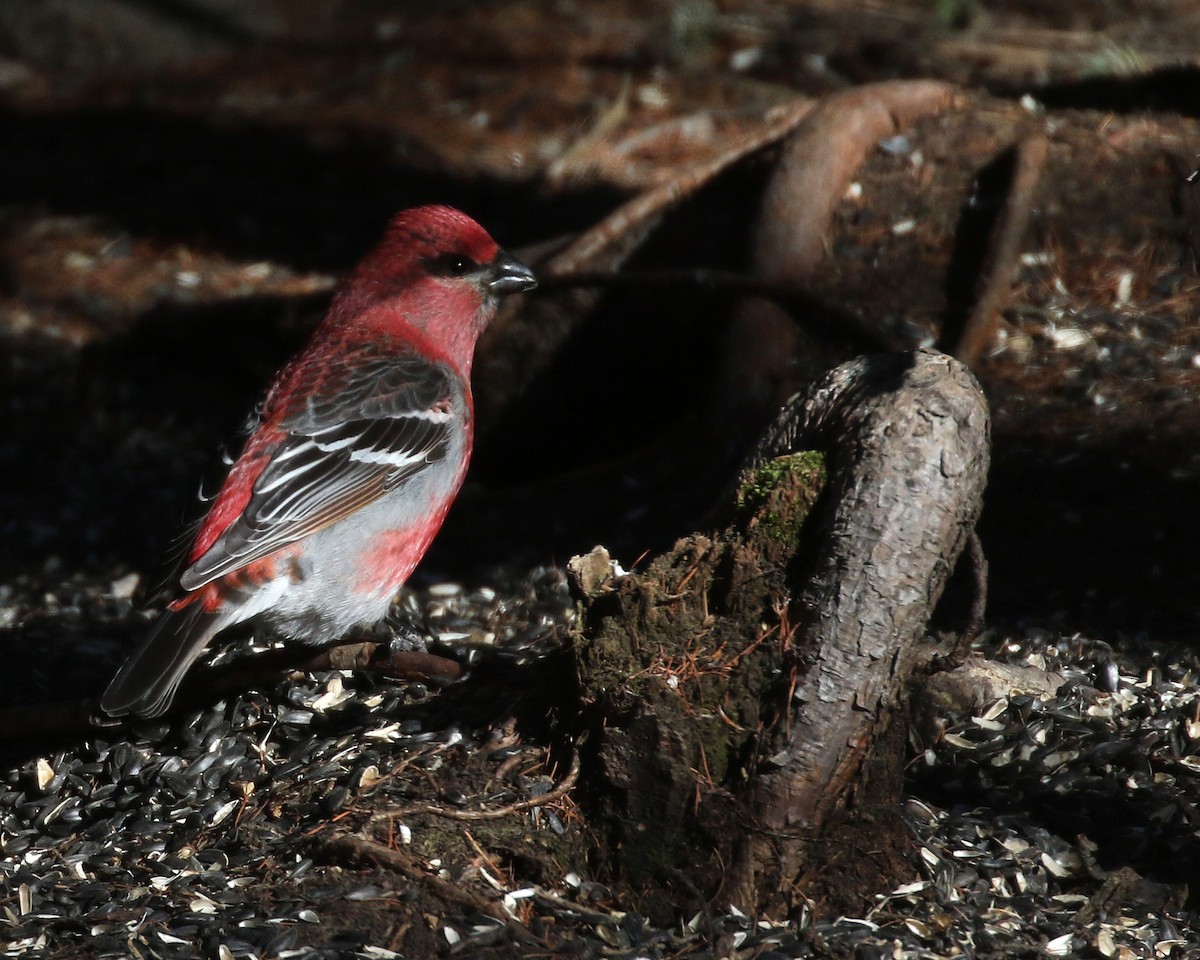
363	430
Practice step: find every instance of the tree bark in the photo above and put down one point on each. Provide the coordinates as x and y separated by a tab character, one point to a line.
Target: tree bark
736	691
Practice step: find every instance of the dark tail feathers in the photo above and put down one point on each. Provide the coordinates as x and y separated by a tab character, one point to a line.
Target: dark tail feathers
146	683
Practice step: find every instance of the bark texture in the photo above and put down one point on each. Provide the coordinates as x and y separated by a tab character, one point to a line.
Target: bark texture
909	442
737	691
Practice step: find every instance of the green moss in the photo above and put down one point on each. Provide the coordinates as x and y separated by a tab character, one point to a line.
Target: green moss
807	468
776	497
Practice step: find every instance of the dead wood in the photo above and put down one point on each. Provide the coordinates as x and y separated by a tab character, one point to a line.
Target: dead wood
524	338
737	688
980	328
768	355
970	688
820	159
344	848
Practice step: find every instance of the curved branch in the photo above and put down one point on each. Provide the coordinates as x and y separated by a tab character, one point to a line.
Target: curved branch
907	438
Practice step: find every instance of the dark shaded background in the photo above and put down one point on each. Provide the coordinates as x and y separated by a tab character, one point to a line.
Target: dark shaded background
155	139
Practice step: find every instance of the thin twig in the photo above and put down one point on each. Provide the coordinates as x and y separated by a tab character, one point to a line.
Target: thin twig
560	790
497	870
343	846
398	664
980	328
561	903
962	646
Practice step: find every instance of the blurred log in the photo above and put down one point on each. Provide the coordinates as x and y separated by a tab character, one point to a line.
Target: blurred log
528	332
770	352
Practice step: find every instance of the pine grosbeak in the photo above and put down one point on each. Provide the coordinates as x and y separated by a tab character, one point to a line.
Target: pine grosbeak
349	468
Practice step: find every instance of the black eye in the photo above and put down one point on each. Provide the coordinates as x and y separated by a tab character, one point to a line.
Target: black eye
451	265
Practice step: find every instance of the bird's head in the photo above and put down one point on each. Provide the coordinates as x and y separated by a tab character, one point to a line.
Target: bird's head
437	271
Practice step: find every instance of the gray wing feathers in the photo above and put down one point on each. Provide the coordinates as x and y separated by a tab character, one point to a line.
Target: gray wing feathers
387	419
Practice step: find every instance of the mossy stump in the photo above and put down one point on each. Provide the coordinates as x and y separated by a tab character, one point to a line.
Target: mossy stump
686	665
745	698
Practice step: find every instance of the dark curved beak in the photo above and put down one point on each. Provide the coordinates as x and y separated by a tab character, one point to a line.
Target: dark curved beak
510	275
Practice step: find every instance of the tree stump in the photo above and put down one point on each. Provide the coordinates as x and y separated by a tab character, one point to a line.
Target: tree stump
738	690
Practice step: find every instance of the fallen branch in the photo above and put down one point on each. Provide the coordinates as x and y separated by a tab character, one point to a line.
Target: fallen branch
767	356
511	353
980	328
560	790
909	439
344	847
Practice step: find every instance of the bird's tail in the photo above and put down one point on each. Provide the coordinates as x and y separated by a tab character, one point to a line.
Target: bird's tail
146	683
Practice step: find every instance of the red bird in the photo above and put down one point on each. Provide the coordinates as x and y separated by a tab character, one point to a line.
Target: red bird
360	447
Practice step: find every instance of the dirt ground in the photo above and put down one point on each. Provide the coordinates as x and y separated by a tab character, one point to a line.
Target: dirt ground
180	187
